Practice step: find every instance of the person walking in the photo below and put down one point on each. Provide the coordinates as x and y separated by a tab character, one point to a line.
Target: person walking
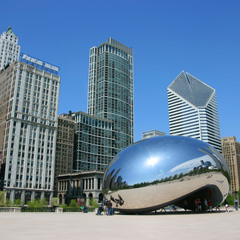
226	206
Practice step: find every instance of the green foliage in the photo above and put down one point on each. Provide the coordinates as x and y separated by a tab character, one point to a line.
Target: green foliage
55	201
44	202
34	204
37	203
93	203
8	203
230	199
2	198
17	202
63	205
73	203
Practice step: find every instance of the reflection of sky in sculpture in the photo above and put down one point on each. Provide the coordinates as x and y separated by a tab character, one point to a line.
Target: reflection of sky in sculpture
160	157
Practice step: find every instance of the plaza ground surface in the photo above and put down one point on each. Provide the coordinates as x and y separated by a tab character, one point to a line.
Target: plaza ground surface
169	225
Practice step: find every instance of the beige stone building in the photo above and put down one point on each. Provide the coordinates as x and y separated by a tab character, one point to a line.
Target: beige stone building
82	185
29	94
231	152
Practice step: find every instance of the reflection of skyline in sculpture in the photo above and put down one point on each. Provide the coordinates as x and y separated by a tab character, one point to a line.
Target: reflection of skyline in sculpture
152	170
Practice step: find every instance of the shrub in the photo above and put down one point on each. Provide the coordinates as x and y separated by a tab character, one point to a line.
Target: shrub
73	203
63	205
93	203
17	202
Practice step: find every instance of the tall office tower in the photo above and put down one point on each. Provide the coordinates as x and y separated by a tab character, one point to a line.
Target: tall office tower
231	152
93	142
29	93
110	89
193	111
152	133
64	146
9	48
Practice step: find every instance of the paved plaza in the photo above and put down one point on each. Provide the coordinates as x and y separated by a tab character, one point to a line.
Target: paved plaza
179	225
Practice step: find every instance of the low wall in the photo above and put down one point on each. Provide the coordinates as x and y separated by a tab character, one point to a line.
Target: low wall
10	209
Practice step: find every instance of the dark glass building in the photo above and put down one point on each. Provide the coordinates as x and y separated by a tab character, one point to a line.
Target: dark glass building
110	89
93	147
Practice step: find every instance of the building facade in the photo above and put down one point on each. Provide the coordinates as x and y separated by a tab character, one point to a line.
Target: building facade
152	133
93	148
29	93
110	89
64	145
231	152
9	48
78	186
193	111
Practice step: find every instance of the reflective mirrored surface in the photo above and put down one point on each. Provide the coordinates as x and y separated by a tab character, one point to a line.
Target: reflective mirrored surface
164	170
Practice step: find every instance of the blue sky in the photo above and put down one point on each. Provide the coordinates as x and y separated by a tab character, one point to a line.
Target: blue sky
199	37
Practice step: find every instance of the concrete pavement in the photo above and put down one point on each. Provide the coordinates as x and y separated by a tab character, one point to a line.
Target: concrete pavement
179	225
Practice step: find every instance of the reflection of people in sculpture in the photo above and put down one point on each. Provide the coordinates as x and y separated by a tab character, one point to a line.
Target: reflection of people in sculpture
117	201
185	205
199	205
205	205
196	204
173	208
217	206
210	205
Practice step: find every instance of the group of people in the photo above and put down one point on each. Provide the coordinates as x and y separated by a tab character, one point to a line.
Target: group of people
106	207
207	205
84	209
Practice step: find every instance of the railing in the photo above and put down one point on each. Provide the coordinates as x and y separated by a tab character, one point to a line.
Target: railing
43	209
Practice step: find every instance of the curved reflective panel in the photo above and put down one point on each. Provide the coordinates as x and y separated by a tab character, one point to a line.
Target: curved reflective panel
164	170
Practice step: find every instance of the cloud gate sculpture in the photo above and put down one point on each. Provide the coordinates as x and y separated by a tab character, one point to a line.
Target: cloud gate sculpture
159	171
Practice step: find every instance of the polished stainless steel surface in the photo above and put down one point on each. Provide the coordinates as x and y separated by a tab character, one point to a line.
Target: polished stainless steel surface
159	171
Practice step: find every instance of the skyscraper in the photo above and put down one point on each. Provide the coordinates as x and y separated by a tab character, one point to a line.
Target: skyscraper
193	111
231	152
110	89
9	48
29	93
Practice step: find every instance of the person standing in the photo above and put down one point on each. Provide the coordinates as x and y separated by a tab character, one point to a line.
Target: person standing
100	207
109	207
236	204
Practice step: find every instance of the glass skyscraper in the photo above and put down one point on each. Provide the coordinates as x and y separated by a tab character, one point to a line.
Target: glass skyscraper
93	142
110	90
193	110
